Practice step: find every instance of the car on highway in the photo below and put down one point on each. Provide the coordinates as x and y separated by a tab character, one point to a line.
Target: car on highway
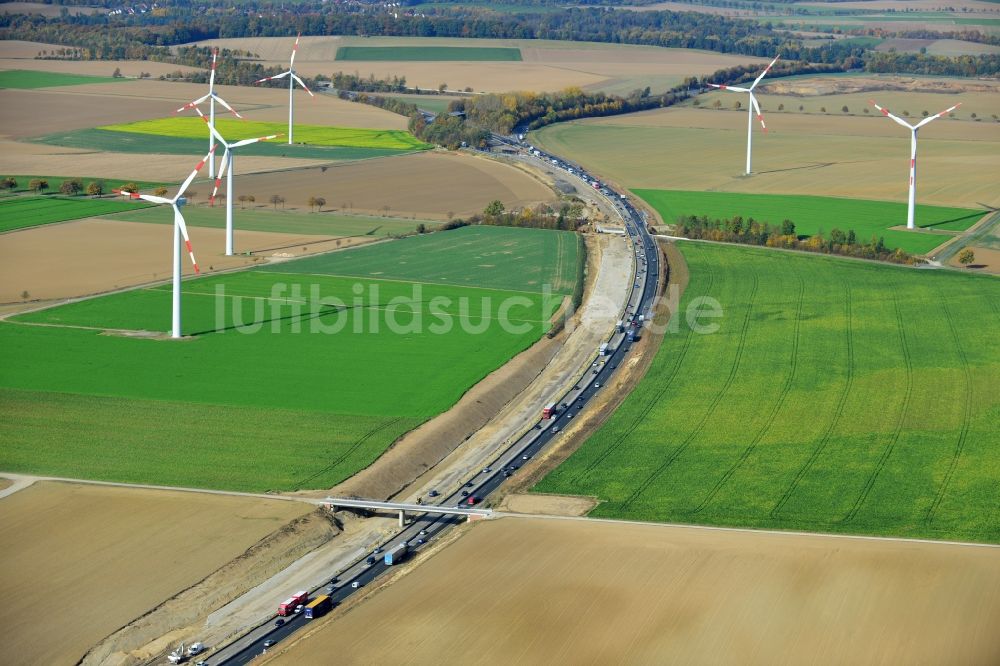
525	457
378	549
555	429
268	643
370	561
356	584
423	532
465	493
279	622
597	385
486	470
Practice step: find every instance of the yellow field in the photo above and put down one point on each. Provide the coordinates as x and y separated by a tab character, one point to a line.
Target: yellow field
78	562
547	65
685	148
537	591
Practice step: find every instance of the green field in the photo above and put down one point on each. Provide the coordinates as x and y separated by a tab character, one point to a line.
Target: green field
287	379
819	214
191	127
130	142
493	257
836	396
263	218
25	79
427	53
33	211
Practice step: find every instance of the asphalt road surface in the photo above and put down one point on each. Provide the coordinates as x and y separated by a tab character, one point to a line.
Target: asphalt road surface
425	528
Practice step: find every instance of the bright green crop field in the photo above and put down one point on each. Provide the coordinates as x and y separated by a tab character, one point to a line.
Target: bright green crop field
435	53
24	79
133	142
836	396
32	211
481	256
192	127
263	218
285	380
812	215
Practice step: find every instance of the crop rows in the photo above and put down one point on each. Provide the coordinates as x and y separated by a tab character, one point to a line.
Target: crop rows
23	212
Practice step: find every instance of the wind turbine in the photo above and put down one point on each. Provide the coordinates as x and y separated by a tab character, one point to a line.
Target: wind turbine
180	229
753	106
292	78
212	97
913	152
227	169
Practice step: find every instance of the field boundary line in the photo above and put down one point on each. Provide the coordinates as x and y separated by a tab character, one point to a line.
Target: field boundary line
897	431
769	421
431	284
354	447
733	371
838	412
966	417
652	402
720	528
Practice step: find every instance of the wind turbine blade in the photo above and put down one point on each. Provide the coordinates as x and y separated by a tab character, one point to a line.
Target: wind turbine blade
247	142
885	112
194	173
302	83
226	104
733	88
760	116
179	221
211	127
154	199
218	176
211	77
194	104
273	78
764	73
937	115
295	49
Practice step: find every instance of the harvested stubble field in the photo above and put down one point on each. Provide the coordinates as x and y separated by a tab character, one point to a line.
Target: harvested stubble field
32	211
547	64
109	555
813	215
339	384
684	148
427	185
261	217
540	591
832	338
98	255
428	53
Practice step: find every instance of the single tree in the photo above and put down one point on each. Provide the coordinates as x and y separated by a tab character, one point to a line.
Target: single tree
924	113
8	183
822	109
717	104
966	256
25	295
494	208
95	188
864	109
36	185
117	73
787	228
421	228
160	191
451	214
312	203
71	187
252	199
243	201
781	107
385	210
275	200
129	187
844	109
801	108
737	105
320	202
442	87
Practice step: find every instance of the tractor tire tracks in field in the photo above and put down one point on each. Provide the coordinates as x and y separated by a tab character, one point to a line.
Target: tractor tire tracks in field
772	415
887	452
837	414
653	401
343	456
706	417
966	416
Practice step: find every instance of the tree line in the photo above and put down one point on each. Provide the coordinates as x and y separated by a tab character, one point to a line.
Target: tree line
751	232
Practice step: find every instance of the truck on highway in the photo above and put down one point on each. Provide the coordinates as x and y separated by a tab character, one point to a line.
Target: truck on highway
620	326
549	410
396	555
288	606
318	607
603	351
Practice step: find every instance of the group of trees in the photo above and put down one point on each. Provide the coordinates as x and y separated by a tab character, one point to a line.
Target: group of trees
751	232
568	217
69	186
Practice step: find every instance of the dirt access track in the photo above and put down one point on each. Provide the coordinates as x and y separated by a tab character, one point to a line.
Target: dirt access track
87	560
577	591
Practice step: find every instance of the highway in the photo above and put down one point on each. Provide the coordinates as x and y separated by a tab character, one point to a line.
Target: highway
425	527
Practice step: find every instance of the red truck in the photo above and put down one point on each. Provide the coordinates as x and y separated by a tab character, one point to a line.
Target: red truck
288	606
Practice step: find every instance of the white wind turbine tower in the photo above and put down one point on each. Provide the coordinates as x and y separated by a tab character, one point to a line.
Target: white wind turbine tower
212	98
292	79
226	168
180	229
753	106
913	153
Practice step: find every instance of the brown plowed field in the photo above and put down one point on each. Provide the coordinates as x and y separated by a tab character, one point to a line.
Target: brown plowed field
543	591
426	185
80	561
90	256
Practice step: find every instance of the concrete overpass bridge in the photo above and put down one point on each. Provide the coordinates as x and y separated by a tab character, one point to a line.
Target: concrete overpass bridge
472	513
